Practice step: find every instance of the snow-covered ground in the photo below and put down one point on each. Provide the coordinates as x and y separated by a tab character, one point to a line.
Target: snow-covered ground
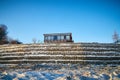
60	72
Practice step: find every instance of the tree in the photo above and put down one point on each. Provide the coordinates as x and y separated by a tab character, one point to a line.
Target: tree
115	37
34	40
3	34
4	39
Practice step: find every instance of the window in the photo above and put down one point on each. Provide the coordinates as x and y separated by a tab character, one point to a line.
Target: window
46	38
62	37
58	37
51	37
67	37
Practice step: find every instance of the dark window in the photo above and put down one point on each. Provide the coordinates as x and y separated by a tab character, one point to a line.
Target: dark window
55	38
65	37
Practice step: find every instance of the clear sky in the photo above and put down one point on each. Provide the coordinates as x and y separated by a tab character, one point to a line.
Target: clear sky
87	20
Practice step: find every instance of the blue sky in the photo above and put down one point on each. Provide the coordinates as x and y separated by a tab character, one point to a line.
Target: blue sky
87	20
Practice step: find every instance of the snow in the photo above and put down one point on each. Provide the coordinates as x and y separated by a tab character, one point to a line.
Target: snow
62	72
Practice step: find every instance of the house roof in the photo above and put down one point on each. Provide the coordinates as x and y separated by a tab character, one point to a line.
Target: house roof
56	34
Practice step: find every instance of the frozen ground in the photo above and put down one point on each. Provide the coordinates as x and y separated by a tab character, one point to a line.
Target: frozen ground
60	72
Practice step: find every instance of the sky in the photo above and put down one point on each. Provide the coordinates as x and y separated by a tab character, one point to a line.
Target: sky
87	20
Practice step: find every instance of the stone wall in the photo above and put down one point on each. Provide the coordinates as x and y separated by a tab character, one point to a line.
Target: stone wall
105	53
